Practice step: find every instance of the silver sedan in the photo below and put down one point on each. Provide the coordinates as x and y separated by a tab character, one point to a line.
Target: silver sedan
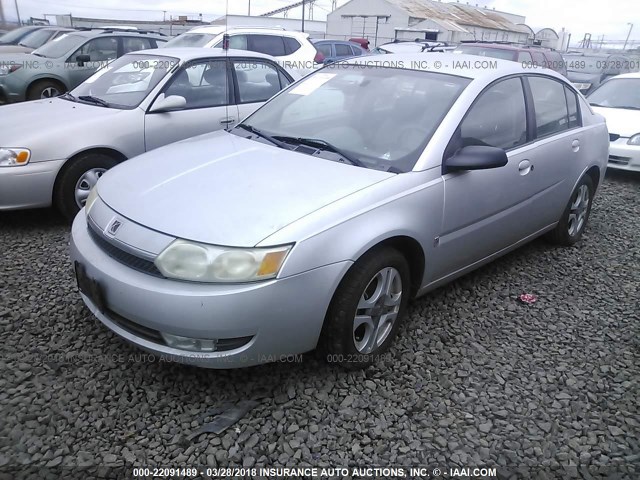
53	151
314	221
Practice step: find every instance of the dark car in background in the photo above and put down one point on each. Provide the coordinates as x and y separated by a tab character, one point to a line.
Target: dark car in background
531	54
35	39
334	50
13	37
66	62
588	70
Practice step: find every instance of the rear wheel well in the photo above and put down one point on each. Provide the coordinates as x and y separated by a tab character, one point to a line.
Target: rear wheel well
119	157
412	251
594	173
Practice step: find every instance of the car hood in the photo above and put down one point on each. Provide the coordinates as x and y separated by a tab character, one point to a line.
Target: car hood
11	58
578	77
14	49
226	190
39	124
620	121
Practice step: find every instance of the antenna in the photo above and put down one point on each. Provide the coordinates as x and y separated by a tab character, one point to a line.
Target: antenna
225	47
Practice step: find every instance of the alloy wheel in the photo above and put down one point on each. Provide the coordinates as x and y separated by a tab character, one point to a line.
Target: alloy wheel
578	210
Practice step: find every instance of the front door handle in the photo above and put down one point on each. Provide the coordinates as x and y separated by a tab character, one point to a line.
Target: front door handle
525	167
575	145
227	121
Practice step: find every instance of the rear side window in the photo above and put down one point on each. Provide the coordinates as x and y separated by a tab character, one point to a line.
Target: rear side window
291	45
133	44
572	107
524	57
343	50
539	60
257	81
498	118
550	103
356	50
269	44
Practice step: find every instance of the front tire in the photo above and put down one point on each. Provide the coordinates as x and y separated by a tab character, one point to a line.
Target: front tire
367	309
77	180
575	217
43	89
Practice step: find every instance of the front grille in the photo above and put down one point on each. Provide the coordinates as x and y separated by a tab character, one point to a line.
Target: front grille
222	345
613	137
615	159
126	258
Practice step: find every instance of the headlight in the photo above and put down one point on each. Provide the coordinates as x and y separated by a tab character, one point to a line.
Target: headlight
198	262
7	69
634	140
13	157
91	199
582	86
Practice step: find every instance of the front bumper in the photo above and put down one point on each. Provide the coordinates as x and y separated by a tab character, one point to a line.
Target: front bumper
279	318
28	186
623	156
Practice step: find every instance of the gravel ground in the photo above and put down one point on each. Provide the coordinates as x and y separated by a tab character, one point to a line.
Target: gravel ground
476	378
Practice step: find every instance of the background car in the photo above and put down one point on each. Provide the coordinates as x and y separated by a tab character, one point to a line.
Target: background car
618	100
139	102
402	46
35	39
363	42
531	54
66	62
587	71
14	36
334	50
315	220
293	50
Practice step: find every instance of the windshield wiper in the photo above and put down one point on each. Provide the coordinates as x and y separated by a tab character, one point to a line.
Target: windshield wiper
68	96
261	134
38	54
92	99
324	145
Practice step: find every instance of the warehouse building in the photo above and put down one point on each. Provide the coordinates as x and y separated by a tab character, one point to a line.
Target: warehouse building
383	21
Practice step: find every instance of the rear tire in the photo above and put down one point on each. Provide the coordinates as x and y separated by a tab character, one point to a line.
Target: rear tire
575	217
43	89
367	309
77	179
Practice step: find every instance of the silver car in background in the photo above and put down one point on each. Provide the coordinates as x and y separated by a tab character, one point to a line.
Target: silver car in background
53	151
315	220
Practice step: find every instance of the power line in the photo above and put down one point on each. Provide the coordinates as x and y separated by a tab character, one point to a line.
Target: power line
157	10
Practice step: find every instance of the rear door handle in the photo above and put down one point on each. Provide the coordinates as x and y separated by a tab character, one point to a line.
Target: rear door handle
227	121
525	167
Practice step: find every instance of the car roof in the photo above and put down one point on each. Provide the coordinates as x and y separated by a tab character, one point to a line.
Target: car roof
499	46
628	75
191	53
217	29
452	64
123	33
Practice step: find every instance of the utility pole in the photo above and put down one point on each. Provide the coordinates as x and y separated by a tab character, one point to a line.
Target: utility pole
249	8
18	12
628	35
303	16
164	15
1	14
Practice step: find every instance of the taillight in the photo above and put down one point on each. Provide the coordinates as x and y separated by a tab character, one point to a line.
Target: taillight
319	58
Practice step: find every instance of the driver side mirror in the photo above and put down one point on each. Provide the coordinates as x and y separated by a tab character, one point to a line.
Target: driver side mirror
82	59
476	158
168	104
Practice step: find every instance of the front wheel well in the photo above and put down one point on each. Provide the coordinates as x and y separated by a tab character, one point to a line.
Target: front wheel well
411	249
63	87
116	155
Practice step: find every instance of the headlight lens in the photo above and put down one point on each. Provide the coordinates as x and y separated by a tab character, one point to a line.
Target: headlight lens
198	262
582	86
14	157
634	140
91	199
7	69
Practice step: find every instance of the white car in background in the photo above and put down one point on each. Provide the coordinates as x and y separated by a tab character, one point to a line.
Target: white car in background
293	50
618	100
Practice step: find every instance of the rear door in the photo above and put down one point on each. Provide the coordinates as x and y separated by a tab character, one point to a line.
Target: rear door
205	86
488	210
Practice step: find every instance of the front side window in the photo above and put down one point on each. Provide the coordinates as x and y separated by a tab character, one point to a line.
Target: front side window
498	118
99	49
202	84
257	81
525	57
384	117
126	82
268	44
550	105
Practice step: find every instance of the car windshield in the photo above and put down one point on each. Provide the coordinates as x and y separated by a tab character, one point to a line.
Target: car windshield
582	64
14	35
488	52
381	117
125	82
618	93
36	39
190	40
60	46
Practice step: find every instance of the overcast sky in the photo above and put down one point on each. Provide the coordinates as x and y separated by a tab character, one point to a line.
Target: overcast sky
598	17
